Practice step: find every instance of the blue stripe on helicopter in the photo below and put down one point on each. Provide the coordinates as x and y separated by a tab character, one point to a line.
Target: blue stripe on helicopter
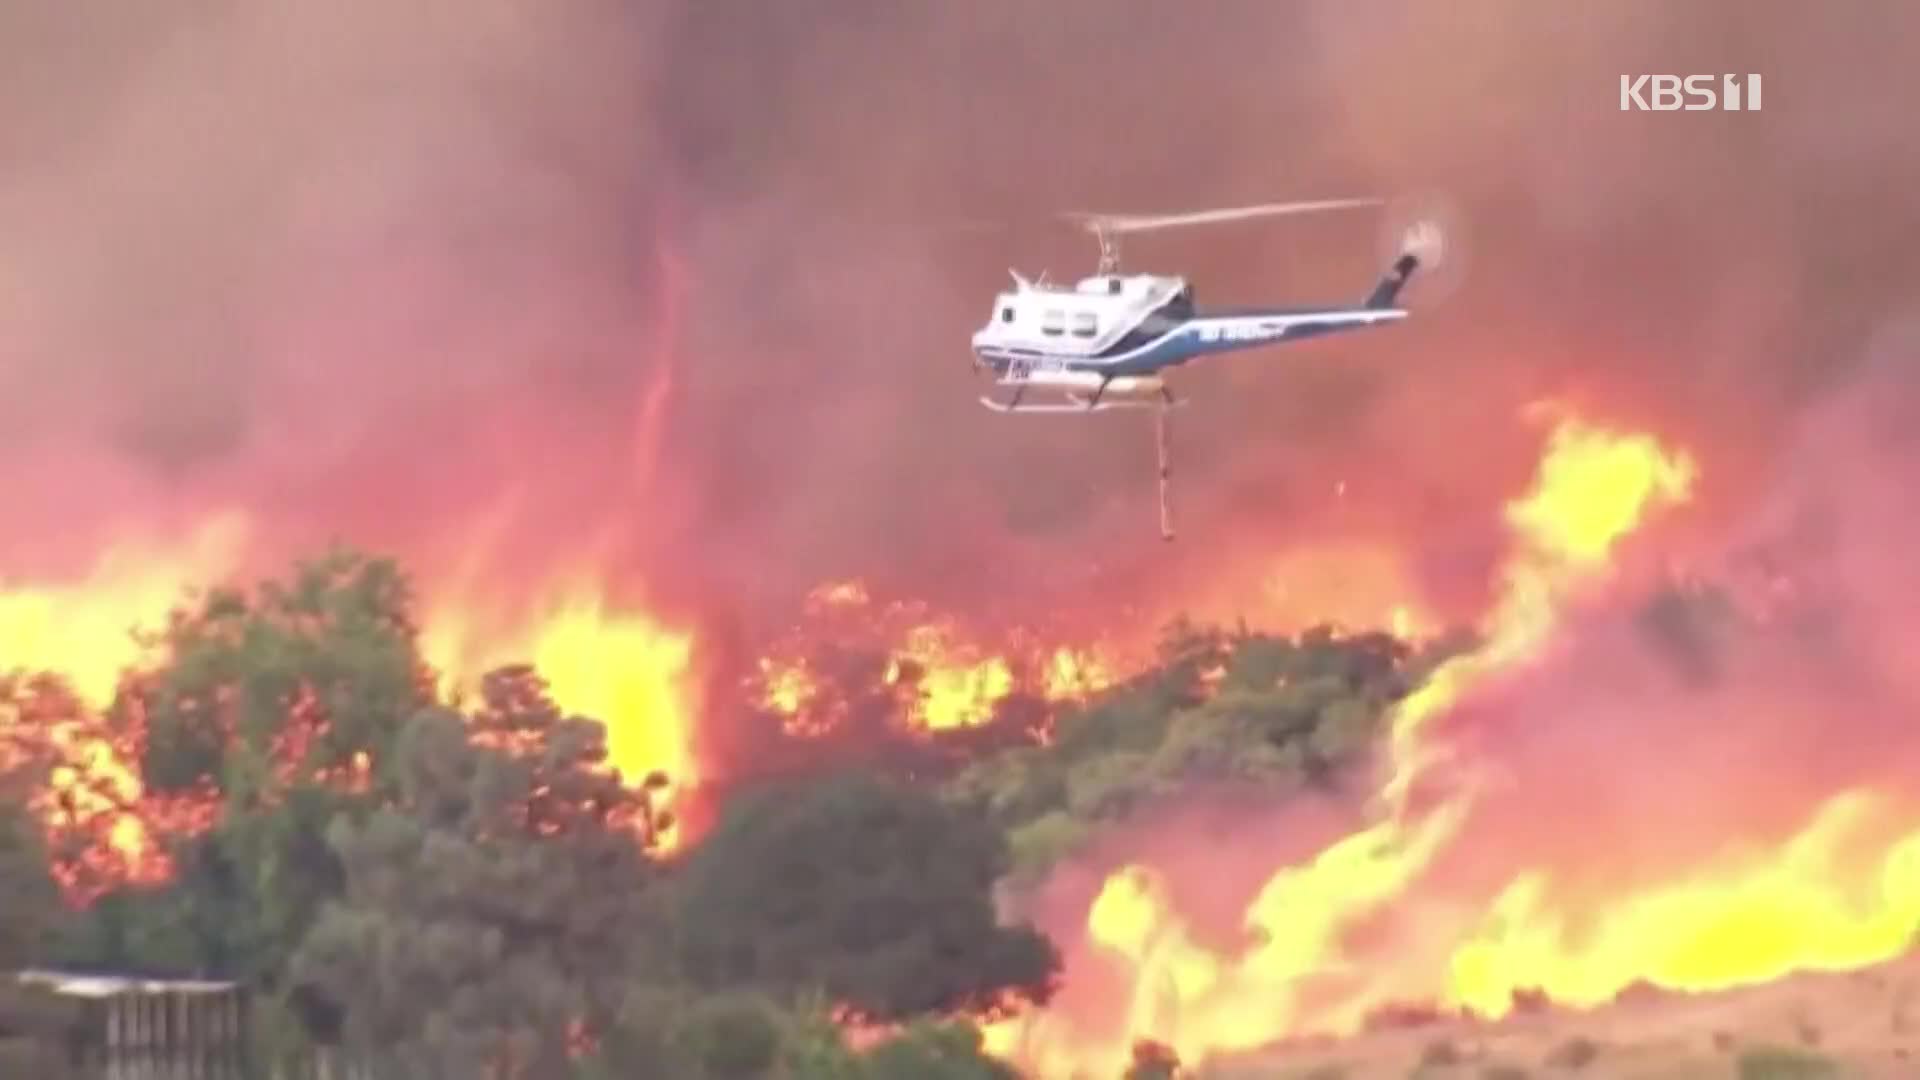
1198	336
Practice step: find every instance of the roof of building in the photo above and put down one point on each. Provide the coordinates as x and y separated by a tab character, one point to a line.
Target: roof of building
73	984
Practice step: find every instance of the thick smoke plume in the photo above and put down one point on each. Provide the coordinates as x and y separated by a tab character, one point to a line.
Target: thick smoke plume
402	275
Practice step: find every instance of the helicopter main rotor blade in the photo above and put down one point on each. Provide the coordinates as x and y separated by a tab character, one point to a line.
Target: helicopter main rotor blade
1133	223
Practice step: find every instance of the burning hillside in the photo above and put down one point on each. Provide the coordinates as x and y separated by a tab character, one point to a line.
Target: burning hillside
1635	778
1479	874
634	334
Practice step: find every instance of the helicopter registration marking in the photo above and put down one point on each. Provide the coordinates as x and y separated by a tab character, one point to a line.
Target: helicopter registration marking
1212	332
1023	369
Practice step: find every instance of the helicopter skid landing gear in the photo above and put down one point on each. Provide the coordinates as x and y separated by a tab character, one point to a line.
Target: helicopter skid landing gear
1076	404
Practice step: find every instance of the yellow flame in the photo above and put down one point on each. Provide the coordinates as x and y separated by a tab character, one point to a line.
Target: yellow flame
787	687
625	669
1591	489
1075	673
957	687
1754	916
85	629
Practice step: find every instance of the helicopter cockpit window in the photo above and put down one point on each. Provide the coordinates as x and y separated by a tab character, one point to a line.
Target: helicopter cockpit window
1054	322
1113	286
1085	324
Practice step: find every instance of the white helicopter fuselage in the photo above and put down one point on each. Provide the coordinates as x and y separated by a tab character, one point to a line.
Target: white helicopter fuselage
1067	337
1108	338
1080	320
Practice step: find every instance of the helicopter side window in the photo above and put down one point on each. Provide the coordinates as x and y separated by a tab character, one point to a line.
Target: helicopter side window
1006	314
1054	323
1085	324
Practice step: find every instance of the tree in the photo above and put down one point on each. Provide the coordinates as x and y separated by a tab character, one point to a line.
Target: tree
36	1029
934	1051
1266	713
728	1036
276	707
1153	1061
297	683
494	912
873	892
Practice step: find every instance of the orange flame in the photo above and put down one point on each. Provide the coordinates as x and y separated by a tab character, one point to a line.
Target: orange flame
952	678
626	670
1592	488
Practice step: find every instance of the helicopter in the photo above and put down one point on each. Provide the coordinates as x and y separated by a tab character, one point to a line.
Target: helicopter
1107	341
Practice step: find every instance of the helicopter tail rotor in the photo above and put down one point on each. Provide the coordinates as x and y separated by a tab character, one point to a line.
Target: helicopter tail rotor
1427	228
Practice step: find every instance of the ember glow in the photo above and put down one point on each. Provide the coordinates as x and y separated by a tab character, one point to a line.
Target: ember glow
947	675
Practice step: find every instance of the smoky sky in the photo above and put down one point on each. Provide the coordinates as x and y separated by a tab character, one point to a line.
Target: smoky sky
391	272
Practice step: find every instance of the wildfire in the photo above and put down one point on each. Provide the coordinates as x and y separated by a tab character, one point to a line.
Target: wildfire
1366	920
958	687
945	677
101	822
1296	974
85	629
625	669
1356	585
1758	915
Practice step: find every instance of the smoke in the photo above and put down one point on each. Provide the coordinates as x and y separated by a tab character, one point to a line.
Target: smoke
342	271
1705	274
412	277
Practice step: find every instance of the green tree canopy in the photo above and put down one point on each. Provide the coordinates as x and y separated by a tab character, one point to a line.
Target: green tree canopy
1270	713
35	1027
297	682
498	906
278	705
932	1050
875	893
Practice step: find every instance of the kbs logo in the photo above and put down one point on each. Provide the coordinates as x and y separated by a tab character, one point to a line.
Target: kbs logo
1665	93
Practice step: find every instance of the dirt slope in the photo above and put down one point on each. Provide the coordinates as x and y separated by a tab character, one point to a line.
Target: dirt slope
1862	1024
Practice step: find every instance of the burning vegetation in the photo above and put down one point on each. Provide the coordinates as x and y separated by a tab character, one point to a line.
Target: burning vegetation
1224	840
699	723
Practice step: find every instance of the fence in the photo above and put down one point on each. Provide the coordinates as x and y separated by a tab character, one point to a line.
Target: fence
147	1029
